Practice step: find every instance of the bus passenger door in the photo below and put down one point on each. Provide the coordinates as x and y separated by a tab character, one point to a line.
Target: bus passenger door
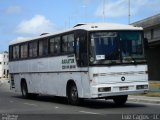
81	48
82	61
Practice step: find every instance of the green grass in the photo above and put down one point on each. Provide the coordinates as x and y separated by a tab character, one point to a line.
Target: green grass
152	85
151	94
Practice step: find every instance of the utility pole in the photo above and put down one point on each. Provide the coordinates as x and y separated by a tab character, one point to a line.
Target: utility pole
104	10
65	23
69	21
85	9
129	12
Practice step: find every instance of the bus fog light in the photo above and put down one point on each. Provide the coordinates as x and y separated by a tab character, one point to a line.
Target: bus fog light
145	86
95	75
104	89
138	87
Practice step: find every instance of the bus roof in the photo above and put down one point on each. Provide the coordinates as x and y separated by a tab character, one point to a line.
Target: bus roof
87	27
106	26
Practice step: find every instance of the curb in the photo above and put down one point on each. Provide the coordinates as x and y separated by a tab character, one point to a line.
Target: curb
144	99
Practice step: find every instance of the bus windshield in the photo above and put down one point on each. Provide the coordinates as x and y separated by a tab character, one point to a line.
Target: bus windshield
117	47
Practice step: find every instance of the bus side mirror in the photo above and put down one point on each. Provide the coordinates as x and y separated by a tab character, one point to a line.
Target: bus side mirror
146	46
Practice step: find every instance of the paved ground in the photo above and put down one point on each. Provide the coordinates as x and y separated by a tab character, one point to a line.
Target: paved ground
47	107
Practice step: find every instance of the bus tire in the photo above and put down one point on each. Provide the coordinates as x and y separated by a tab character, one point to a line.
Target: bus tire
24	90
120	100
32	95
73	98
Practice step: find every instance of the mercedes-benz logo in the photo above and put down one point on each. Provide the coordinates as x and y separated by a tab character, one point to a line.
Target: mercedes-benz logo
123	78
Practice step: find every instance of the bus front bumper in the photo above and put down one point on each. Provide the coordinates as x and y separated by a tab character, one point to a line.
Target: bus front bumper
106	90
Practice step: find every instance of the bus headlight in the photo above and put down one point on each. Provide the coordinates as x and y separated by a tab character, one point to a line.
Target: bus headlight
138	87
104	89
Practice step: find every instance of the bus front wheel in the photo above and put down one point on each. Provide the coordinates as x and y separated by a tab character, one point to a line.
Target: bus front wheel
120	100
73	95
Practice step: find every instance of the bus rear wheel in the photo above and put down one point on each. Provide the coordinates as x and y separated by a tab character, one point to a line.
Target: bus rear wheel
24	90
120	100
73	95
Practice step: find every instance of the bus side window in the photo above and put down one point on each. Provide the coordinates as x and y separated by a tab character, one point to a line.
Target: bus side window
68	43
57	44
10	52
24	50
64	44
77	48
54	45
43	47
51	45
16	52
33	49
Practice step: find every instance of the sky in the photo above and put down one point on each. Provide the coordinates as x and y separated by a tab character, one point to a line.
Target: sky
21	19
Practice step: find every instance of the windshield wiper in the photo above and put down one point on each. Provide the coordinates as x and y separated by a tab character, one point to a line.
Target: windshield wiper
130	59
133	60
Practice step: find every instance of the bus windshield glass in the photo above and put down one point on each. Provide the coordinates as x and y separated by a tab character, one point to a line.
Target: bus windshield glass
117	47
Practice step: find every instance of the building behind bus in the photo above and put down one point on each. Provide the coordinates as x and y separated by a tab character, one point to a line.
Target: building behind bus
4	72
151	27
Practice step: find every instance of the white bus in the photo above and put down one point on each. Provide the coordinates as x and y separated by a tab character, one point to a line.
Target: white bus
100	60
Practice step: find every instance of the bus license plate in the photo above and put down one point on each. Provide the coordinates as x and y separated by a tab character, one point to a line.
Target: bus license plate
123	88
